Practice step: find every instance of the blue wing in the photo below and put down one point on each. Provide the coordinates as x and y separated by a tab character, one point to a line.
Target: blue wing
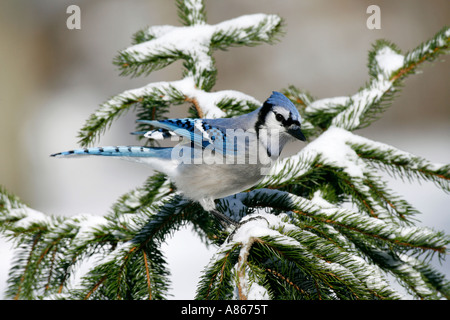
199	131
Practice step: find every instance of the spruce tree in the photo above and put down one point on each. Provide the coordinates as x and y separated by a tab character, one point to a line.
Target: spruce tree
300	240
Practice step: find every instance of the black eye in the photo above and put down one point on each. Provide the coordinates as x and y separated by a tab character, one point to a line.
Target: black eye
279	117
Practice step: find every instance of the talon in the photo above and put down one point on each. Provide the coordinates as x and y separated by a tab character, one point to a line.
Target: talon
224	220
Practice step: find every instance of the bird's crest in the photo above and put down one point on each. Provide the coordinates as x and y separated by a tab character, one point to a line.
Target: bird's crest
279	99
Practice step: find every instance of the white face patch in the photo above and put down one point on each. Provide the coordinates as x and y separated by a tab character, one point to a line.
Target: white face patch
271	120
283	111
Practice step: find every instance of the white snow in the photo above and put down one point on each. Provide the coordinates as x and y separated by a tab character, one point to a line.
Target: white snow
388	60
159	31
173	40
207	101
357	104
409	271
350	118
246	22
28	217
255	226
327	103
194	7
440	41
333	147
257	292
260	225
320	201
88	224
192	41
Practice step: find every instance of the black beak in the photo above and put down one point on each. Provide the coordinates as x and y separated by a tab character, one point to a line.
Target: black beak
296	132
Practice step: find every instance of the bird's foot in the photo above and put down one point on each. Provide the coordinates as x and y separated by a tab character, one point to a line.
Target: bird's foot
224	220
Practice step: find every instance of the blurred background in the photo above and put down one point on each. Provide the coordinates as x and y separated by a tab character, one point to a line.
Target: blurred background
53	78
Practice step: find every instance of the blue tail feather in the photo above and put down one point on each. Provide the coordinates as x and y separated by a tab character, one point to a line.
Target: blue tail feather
119	151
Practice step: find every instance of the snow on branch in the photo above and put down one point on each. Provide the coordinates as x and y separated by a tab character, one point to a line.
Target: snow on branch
400	163
161	45
177	92
353	161
428	51
326	232
387	67
158	46
17	217
342	149
294	240
320	210
281	237
330	147
191	12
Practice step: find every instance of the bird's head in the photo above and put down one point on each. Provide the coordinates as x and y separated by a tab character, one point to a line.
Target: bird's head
279	113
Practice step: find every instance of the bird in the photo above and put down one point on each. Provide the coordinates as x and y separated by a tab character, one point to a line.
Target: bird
217	157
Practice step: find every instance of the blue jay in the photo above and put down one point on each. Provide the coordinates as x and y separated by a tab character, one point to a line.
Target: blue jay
218	157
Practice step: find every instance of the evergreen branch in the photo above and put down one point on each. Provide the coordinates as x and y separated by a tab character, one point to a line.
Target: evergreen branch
95	287
422	280
17	286
191	12
242	282
387	68
259	198
147	274
140	255
333	161
49	272
316	250
406	237
356	115
154	189
359	194
290	169
320	113
50	246
215	282
235	106
8	202
401	163
340	261
396	207
368	274
428	51
329	149
149	33
131	63
412	239
132	271
155	93
301	98
331	277
157	47
432	279
288	282
248	30
141	209
194	45
162	94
